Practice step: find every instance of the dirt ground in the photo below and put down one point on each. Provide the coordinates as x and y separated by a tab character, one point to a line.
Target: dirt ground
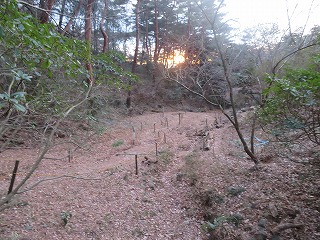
193	182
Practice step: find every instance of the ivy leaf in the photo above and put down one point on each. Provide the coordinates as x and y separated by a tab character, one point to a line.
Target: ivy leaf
22	76
46	64
18	95
50	74
4	96
37	74
19	107
21	27
14	101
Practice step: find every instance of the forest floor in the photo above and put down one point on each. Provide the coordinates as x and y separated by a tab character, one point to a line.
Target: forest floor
192	177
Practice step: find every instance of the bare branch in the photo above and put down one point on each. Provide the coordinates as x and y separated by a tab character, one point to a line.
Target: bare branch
54	12
275	70
282	227
196	93
47	145
54	178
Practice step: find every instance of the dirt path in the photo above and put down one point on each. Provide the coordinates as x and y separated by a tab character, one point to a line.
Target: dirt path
119	204
174	194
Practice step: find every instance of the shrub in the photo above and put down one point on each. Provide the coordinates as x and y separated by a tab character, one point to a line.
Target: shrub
293	105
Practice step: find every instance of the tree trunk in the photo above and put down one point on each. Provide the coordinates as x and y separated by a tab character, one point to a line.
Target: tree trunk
227	72
63	7
135	57
88	37
156	39
75	14
188	33
104	33
146	41
46	6
156	32
95	34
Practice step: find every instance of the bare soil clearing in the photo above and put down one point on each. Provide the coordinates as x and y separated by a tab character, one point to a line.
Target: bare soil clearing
174	194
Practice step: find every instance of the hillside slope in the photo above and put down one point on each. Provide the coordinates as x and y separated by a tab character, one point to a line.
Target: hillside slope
198	175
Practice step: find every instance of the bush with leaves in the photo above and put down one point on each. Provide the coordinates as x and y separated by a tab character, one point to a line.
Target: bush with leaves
42	80
43	73
36	63
293	105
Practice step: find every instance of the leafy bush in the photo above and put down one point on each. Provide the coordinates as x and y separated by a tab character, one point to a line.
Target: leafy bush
293	105
43	73
38	65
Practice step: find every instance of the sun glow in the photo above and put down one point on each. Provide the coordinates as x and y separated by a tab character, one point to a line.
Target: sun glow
176	58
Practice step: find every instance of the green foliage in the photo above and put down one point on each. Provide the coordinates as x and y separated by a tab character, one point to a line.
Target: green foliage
33	57
65	217
118	143
294	102
37	55
108	70
165	156
235	190
43	73
234	218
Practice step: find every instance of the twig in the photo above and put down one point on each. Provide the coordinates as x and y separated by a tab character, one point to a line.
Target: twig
49	179
282	227
55	12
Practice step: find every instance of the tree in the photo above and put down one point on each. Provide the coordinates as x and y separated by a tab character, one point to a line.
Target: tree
88	36
103	32
75	14
205	49
293	105
25	81
62	12
43	82
46	7
135	57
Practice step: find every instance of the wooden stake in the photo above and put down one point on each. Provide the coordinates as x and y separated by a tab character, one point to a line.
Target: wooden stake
134	135
164	138
179	118
156	149
136	161
69	155
154	127
13	177
167	123
141	126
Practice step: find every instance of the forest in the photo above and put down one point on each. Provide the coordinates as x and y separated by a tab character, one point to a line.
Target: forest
234	118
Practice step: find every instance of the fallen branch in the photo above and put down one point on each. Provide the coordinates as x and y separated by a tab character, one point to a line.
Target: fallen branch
54	178
276	231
